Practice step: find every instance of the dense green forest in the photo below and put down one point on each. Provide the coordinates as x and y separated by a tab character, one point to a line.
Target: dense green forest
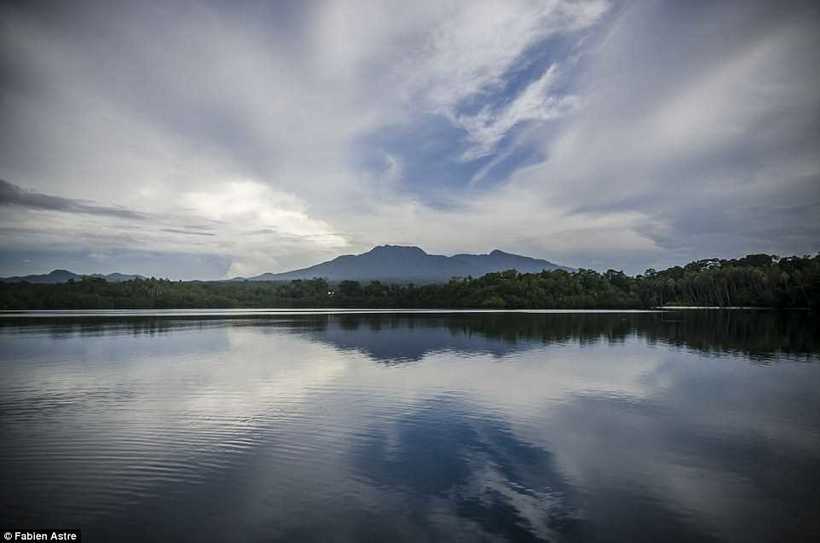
755	280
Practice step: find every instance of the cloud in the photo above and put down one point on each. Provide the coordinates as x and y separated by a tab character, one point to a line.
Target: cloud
245	221
589	133
486	128
12	195
470	50
188	232
717	140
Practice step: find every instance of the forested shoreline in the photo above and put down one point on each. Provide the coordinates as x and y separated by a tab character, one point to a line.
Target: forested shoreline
752	281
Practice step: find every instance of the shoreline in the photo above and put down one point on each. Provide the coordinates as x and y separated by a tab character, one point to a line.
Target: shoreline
251	312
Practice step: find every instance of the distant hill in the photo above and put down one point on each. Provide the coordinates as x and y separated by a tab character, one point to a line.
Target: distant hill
406	264
63	276
385	262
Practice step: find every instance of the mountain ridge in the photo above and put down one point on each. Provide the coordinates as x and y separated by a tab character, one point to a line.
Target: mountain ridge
63	276
405	263
397	263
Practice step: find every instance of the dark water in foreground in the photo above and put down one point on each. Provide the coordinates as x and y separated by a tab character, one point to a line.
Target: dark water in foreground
682	426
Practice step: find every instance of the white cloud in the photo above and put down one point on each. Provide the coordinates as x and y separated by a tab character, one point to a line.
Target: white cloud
486	128
472	48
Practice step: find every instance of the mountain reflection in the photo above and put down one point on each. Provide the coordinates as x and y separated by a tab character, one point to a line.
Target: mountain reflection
760	335
395	338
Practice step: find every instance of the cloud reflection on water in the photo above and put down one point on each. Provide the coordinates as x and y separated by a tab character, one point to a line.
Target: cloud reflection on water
509	427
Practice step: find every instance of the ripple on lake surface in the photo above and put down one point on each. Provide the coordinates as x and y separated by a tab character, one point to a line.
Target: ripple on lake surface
690	426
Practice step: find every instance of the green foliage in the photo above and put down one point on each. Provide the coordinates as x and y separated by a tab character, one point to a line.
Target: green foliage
754	280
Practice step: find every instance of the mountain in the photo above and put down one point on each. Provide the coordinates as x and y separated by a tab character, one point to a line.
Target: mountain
63	276
385	263
399	263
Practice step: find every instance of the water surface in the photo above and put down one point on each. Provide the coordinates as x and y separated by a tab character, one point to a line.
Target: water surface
368	426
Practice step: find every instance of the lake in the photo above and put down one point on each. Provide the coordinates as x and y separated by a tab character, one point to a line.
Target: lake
412	426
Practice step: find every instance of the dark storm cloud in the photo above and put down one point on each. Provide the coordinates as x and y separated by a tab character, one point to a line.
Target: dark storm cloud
12	195
187	232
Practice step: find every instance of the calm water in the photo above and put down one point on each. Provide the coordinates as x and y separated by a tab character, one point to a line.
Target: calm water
677	426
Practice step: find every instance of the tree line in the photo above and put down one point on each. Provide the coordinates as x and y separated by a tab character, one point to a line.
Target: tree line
754	281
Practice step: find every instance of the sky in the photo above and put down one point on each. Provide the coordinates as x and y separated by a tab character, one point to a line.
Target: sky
203	140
